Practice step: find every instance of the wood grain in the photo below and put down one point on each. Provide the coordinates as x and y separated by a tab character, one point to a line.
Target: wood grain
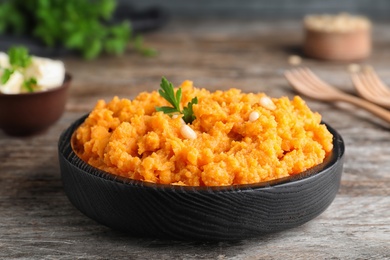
38	222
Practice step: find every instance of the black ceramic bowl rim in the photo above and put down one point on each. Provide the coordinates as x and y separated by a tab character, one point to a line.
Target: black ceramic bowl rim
329	162
67	79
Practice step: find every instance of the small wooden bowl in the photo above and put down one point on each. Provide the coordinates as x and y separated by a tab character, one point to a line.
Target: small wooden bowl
338	46
31	113
198	213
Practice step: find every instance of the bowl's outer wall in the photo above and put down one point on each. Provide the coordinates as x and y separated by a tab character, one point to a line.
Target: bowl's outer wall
24	114
229	213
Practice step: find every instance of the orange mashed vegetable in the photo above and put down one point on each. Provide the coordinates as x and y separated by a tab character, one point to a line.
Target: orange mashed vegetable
131	139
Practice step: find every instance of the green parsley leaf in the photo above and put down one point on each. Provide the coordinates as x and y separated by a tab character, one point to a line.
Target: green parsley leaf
167	110
7	73
188	113
168	93
29	84
19	57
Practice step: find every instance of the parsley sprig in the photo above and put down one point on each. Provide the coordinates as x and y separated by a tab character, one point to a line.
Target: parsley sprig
19	60
167	91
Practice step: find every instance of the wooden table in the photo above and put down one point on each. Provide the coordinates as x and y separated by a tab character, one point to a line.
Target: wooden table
38	222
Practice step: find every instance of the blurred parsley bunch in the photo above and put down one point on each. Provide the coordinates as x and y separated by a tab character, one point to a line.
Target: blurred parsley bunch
81	25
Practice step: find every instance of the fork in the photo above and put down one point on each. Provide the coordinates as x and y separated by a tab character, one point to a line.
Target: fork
371	87
304	81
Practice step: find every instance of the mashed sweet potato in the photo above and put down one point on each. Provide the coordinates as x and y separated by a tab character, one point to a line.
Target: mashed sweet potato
239	140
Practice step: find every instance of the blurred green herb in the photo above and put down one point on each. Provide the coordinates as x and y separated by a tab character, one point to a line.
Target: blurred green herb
167	91
80	25
19	57
7	73
19	60
29	84
140	47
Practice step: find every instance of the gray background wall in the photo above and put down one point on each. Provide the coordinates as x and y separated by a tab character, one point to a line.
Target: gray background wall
375	9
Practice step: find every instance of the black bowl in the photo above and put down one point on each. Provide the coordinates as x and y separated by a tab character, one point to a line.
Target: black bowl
199	213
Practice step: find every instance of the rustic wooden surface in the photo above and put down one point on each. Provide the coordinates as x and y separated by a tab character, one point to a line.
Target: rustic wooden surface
38	222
